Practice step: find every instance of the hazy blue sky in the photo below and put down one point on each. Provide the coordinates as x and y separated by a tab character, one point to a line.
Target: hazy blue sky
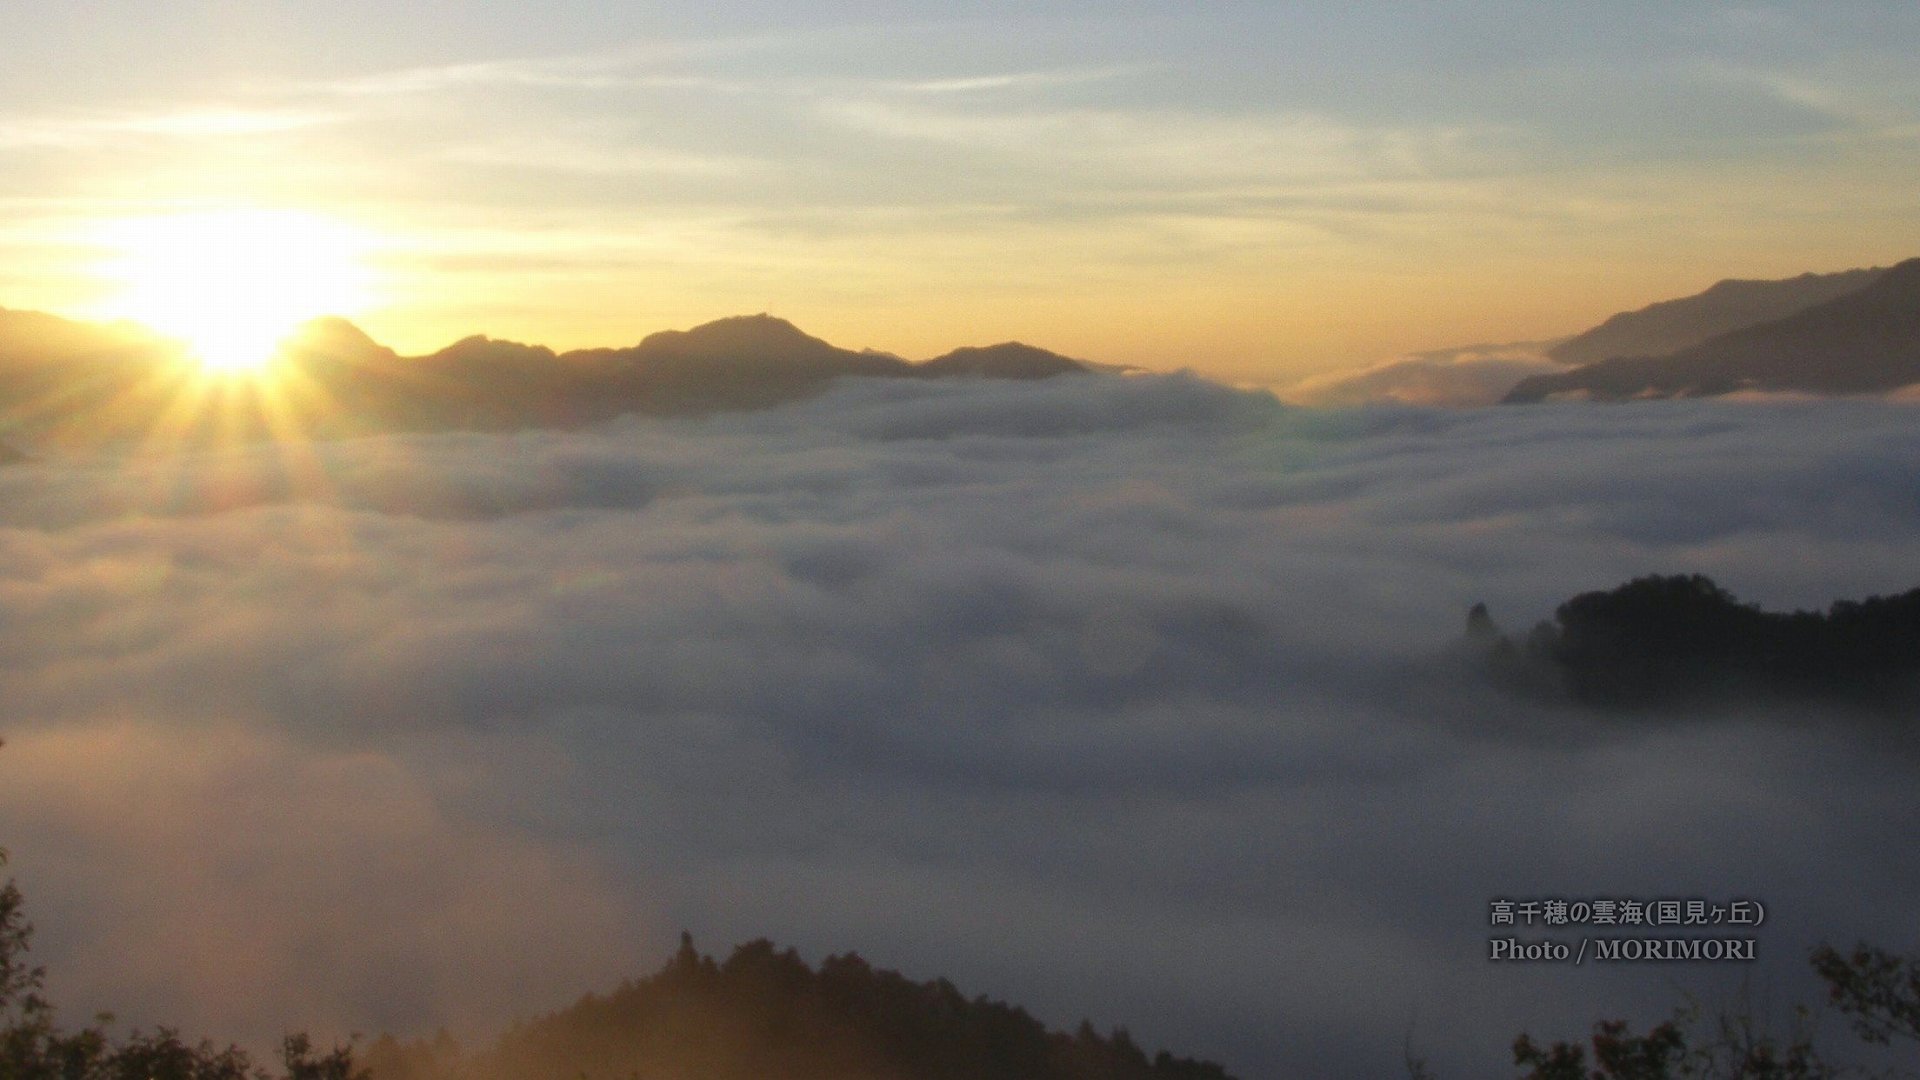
1261	190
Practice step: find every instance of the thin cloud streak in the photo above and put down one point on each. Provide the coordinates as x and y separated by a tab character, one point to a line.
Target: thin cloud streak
186	123
1022	80
601	69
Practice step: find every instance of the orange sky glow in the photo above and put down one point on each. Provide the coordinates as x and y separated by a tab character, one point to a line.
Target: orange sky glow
1259	195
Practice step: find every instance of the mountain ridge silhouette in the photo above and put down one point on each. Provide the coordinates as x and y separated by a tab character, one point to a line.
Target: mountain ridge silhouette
1862	342
82	383
1667	326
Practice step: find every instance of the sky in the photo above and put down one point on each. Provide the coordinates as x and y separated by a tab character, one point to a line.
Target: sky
1259	191
1131	699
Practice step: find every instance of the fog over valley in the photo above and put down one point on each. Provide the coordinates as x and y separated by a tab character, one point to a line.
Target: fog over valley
1132	698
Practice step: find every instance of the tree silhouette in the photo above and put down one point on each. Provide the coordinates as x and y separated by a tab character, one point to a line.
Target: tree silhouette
1878	991
764	1012
34	1047
1681	639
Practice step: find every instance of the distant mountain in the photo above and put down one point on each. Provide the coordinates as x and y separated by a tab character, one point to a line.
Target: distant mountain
72	382
56	373
1672	325
752	340
34	337
1484	374
36	347
746	362
1867	341
1009	360
765	1013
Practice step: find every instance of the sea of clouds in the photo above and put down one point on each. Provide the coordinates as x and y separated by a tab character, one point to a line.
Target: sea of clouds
1128	698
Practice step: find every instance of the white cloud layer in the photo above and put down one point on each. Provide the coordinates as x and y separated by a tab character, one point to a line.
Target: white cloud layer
1472	375
1115	697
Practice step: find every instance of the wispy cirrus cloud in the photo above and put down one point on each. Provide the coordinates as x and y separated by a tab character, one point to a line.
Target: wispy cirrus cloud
1016	80
1176	145
632	65
185	122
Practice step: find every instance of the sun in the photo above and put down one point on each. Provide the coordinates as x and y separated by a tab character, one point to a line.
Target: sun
231	284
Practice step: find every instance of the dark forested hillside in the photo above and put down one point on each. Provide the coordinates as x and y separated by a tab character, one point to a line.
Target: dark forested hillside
1669	640
765	1013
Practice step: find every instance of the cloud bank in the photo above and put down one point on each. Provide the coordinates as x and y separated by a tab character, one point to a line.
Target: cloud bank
1471	375
1122	698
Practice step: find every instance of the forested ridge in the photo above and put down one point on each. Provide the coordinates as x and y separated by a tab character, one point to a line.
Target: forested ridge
1661	641
764	1012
